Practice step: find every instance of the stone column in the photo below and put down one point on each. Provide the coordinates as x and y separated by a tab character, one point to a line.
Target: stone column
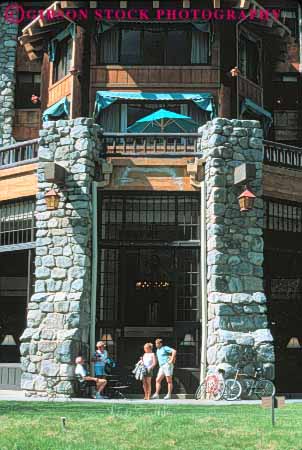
237	320
8	49
59	311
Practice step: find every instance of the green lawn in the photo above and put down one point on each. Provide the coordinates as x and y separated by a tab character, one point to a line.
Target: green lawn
37	426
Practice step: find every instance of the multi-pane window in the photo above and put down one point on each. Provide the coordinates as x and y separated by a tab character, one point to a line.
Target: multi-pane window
17	224
149	270
249	59
62	63
152	218
283	216
27	84
154	44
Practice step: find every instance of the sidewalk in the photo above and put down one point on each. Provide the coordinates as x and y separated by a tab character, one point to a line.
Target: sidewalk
20	397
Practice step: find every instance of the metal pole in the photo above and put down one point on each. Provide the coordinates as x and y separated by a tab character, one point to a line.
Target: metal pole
93	268
203	276
273	410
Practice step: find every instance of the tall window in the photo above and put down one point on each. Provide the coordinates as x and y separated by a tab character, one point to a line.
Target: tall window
63	58
154	44
249	59
28	83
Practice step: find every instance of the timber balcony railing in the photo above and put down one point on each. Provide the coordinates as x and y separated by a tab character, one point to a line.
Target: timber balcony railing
282	155
19	154
149	144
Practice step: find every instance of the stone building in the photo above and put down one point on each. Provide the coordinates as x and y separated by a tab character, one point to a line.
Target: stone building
145	236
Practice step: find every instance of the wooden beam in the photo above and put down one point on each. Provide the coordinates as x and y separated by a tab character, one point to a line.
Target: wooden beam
216	3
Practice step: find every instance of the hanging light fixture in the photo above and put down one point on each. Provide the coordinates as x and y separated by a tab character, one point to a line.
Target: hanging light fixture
246	200
293	343
52	199
188	340
9	341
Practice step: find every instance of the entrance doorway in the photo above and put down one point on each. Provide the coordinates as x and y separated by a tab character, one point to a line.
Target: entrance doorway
283	277
149	277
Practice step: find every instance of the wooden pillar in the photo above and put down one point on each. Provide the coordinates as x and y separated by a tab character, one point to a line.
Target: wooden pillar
76	71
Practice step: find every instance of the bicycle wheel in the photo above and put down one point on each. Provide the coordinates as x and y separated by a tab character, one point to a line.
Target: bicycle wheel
232	390
265	388
201	391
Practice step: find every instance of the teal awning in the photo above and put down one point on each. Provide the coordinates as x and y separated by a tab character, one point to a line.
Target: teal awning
204	100
251	107
59	109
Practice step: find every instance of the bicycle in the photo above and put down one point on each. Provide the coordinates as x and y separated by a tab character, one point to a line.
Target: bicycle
212	387
259	386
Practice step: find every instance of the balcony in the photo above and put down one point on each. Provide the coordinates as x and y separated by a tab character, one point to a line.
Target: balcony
150	145
154	76
19	154
157	145
282	155
251	90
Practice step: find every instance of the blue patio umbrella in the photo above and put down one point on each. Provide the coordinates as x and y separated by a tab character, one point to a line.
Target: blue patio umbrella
164	121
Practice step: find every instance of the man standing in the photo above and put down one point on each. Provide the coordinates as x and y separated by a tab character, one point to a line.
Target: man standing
166	357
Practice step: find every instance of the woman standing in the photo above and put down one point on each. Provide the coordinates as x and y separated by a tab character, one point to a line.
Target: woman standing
149	361
100	358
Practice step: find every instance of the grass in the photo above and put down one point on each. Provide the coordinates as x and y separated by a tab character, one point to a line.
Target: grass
37	426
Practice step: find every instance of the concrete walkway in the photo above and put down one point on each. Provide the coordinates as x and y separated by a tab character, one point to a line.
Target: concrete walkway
20	397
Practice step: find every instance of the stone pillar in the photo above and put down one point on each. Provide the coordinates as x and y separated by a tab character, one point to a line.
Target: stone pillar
8	49
237	320
59	311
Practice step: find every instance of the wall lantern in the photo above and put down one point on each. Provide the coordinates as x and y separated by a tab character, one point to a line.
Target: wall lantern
242	175
246	200
52	199
188	340
9	341
293	343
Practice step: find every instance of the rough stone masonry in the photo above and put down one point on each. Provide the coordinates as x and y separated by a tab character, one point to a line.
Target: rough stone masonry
8	48
237	320
59	311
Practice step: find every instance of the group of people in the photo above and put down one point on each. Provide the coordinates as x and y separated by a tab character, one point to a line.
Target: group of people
165	357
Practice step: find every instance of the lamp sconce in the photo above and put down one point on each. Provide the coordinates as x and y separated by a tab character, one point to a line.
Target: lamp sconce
35	99
242	175
235	72
52	200
293	343
75	72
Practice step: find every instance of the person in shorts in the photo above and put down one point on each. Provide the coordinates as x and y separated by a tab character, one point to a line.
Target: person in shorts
149	361
166	357
100	358
83	377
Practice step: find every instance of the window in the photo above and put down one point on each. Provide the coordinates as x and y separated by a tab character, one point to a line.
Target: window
63	58
130	46
154	44
290	18
285	92
17	222
28	83
249	60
